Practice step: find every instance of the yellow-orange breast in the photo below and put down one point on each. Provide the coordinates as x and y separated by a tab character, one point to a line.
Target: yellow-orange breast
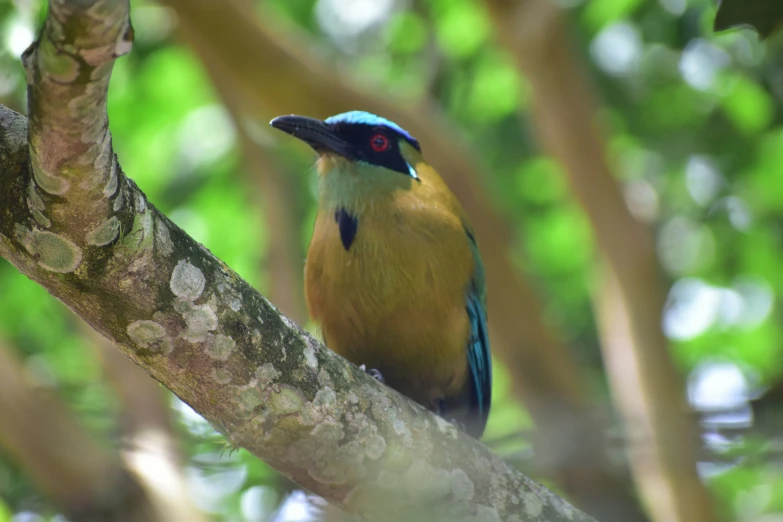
395	299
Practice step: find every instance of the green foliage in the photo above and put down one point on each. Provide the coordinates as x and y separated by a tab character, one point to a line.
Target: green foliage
598	13
747	104
406	33
496	89
461	28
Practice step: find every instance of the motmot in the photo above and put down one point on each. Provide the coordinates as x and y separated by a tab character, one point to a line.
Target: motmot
393	275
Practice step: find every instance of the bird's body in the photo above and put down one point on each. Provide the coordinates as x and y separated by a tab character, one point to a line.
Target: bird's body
393	276
395	299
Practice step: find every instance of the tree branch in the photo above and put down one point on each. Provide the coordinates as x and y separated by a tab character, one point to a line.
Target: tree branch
73	222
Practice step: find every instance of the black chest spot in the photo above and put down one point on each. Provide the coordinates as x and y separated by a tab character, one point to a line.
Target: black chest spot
348	225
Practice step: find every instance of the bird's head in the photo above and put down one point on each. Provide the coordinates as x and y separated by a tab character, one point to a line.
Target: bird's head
357	141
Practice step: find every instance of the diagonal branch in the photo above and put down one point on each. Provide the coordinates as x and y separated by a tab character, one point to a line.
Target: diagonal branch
73	222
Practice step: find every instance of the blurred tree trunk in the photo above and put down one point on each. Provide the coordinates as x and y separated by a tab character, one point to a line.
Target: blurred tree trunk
150	448
646	385
82	476
284	263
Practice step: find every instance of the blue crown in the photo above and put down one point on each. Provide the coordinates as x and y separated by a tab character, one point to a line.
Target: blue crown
366	118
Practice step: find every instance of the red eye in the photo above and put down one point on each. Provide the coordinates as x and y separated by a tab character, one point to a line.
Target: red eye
379	143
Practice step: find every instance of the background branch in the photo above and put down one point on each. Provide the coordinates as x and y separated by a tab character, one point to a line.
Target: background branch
87	480
150	448
273	188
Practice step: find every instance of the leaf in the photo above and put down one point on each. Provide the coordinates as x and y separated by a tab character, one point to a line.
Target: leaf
766	16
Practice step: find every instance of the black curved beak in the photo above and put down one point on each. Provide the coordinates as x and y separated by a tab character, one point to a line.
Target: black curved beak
314	132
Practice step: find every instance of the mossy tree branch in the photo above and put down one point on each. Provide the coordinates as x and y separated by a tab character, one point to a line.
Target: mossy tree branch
73	222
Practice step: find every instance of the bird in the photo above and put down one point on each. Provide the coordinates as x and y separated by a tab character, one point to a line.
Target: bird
393	276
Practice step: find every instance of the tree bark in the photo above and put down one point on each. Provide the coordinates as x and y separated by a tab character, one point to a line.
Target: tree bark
73	222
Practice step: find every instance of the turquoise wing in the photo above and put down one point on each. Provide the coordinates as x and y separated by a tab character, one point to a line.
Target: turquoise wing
479	358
